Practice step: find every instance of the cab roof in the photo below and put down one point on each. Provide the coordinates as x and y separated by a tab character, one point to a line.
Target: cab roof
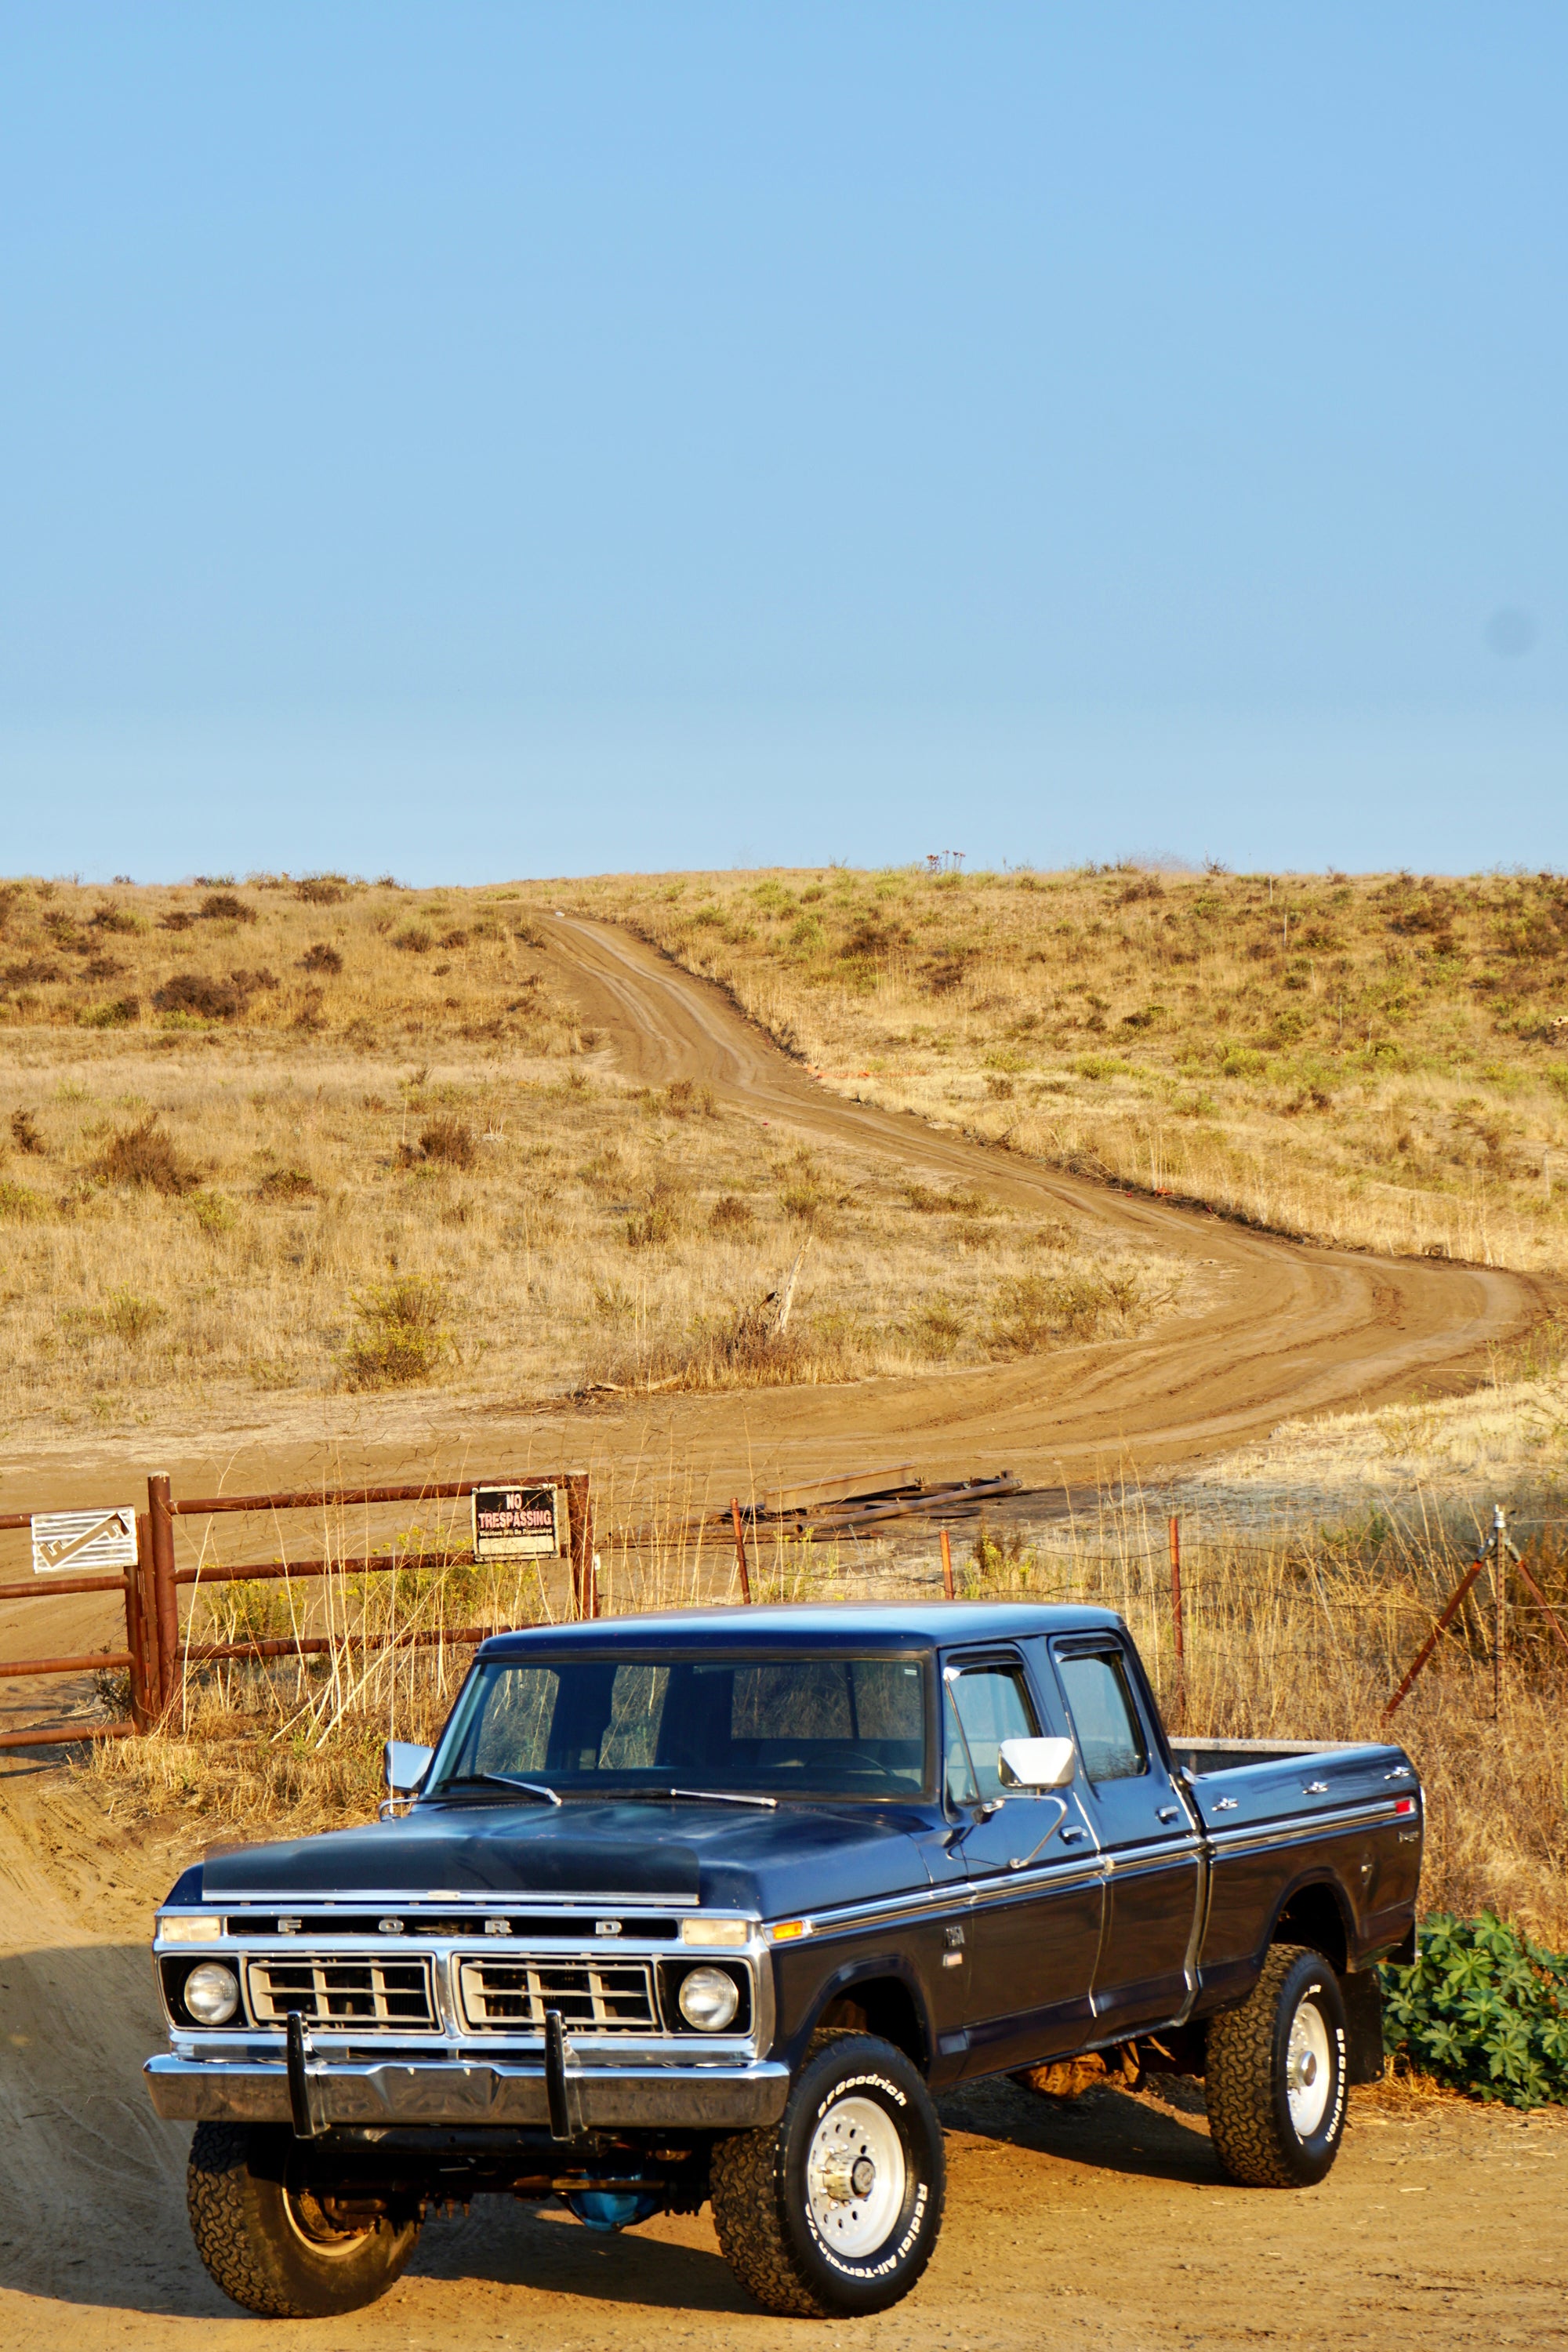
839	1626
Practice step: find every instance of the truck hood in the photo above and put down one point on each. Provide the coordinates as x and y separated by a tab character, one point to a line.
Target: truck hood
801	1858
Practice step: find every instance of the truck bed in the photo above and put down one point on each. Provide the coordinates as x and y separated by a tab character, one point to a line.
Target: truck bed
1236	1783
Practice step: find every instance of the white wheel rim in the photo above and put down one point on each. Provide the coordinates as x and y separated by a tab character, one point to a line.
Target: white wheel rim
1308	2069
326	2242
854	2176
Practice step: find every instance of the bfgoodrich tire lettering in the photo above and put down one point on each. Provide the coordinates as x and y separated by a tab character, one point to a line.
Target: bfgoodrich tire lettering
1274	2085
269	2242
835	2210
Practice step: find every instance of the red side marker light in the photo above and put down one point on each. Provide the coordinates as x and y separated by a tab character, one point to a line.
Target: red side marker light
1405	1805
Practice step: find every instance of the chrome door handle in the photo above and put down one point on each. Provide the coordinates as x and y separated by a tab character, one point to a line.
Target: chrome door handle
1070	1837
1168	1812
1314	1788
1226	1804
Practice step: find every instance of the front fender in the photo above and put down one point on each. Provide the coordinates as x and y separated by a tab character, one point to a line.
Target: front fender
865	1968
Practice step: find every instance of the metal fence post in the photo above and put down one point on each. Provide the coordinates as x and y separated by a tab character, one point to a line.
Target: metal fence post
1177	1625
165	1595
741	1548
144	1700
1500	1606
946	1565
580	1507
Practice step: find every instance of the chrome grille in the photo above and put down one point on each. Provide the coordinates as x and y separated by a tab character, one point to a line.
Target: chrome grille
392	1994
593	1996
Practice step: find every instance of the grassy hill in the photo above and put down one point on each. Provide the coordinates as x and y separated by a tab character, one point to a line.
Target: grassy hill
1377	1060
302	1136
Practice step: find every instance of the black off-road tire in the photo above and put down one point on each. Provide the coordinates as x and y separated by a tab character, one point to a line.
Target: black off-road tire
1247	2087
249	2230
762	2211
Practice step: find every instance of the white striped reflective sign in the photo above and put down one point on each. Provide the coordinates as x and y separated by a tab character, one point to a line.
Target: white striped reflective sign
83	1541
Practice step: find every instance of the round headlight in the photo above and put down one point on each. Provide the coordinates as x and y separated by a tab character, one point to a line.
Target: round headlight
709	2000
212	1993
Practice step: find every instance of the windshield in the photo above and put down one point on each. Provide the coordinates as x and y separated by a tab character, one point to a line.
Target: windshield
778	1728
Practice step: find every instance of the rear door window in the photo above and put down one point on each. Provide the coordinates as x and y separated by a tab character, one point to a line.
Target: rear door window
1104	1715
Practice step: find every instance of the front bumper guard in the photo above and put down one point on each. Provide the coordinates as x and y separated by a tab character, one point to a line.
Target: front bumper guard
454	2092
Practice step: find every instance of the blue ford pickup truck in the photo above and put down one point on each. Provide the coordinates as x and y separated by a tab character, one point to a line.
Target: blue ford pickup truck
709	1905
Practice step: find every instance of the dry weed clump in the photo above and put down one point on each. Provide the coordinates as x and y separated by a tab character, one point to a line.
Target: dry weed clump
1379	1060
450	1140
403	1335
145	1156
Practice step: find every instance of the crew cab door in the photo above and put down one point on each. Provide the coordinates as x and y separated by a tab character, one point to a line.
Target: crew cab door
1034	1925
1143	1826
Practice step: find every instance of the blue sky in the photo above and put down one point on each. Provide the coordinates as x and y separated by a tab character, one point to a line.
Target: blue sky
476	440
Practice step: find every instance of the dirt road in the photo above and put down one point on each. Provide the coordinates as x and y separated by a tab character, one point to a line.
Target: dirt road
1289	1330
1282	1329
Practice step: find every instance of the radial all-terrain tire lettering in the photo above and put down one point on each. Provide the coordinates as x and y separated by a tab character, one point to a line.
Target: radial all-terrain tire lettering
834	2211
264	2241
1275	2082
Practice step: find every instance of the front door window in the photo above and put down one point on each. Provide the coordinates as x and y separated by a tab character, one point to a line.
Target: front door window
990	1705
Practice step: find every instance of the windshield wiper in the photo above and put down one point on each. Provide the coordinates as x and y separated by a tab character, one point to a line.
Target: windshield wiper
713	1797
499	1780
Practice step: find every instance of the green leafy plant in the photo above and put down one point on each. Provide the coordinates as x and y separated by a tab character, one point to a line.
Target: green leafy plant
1483	2009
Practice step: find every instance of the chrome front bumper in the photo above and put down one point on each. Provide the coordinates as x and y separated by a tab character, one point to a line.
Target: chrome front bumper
696	2098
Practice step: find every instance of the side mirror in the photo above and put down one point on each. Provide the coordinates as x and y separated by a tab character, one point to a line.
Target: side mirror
406	1766
1035	1765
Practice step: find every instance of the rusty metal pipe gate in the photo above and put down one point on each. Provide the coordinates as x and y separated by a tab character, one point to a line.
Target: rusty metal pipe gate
153	1651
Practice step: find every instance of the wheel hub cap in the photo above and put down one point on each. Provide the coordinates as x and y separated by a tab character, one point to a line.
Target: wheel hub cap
1308	2073
854	2176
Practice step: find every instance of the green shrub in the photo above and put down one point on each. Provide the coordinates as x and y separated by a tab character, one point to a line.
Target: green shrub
212	1212
1483	2009
403	1335
126	1315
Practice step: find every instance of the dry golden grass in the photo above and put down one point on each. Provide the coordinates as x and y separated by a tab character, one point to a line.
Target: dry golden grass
1375	1060
251	1179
